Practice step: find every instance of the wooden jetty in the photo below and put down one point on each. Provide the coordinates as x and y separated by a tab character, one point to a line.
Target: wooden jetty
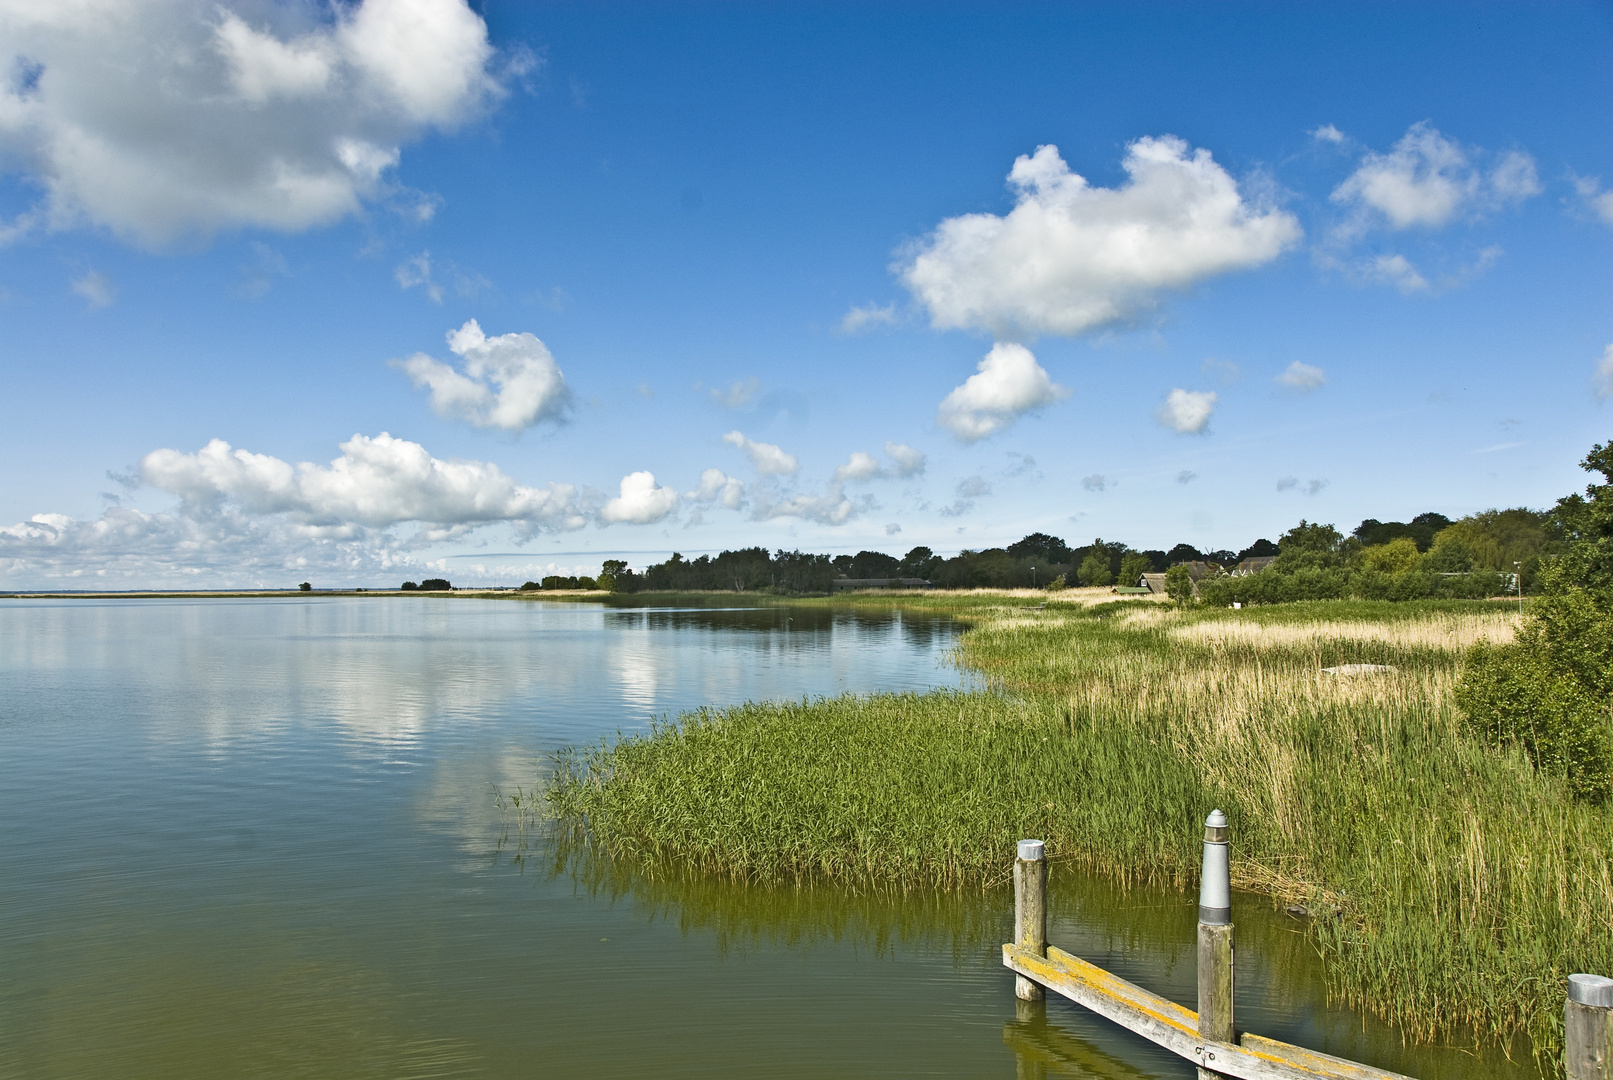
1208	1037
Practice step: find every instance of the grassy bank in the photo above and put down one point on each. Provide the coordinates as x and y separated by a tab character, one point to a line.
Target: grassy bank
1454	889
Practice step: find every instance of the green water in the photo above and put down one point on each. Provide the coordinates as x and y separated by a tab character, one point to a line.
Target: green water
258	839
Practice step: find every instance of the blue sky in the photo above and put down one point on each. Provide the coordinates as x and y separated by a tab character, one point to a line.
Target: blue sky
356	292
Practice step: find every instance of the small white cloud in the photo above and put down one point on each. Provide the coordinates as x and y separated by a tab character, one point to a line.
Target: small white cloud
717	486
96	288
909	462
738	395
417	271
1602	381
973	487
1095	482
1498	447
1071	257
1186	476
868	317
892	529
830	508
1302	377
1008	384
509	382
1310	487
1328	133
768	459
641	502
1395	270
860	466
1187	411
1428	180
1597	201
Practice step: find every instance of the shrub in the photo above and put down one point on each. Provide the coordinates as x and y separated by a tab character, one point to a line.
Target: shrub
1058	584
1395	557
1179	583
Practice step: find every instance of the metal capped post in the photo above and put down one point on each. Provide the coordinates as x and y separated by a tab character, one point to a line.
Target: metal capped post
1586	1024
1030	911
1215	938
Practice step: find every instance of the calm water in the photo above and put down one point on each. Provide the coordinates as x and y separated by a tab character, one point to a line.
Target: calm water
258	839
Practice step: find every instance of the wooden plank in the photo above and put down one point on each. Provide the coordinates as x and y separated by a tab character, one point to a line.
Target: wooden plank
1174	1027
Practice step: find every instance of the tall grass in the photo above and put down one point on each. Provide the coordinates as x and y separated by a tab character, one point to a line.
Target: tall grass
1454	888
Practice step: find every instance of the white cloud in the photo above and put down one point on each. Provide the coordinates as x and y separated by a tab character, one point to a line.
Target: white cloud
376	483
1597	201
640	501
768	458
968	490
860	466
830	508
1310	487
1394	270
892	529
509	382
1302	377
1602	381
1095	482
867	318
1009	383
1328	133
738	395
717	486
96	288
1187	411
909	462
173	119
1070	257
1428	180
417	271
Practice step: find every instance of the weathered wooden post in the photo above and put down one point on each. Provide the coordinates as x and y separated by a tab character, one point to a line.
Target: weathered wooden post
1586	1027
1030	912
1215	938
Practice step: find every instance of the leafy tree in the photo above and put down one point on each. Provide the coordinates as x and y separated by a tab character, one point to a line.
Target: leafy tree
1450	556
1184	553
1420	529
614	576
1041	549
435	584
1179	583
306	587
1550	692
409	586
1260	549
920	562
1396	557
1132	567
1058	584
1094	571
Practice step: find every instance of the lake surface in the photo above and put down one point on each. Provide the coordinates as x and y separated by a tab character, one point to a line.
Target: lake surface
259	838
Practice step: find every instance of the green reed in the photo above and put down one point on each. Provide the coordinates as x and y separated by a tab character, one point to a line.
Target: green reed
1453	887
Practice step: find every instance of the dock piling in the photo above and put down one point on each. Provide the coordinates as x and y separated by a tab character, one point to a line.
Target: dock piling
1215	952
1586	1023
1030	912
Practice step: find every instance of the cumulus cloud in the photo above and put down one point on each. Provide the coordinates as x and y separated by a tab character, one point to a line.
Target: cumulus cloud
1602	381
860	466
1009	382
96	288
1071	257
830	508
376	483
1187	411
1302	378
641	502
908	461
509	382
868	317
1597	201
1328	133
768	459
1428	180
1095	482
718	487
173	119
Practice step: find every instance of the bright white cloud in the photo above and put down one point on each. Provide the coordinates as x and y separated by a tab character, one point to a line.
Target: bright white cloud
909	462
717	486
96	288
509	382
1302	377
376	483
768	459
1602	381
738	395
641	502
1395	270
830	508
173	119
867	318
1187	411
1428	180
860	466
1071	257
1008	384
1328	133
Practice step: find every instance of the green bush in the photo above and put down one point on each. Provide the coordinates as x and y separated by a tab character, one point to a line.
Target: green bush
1179	583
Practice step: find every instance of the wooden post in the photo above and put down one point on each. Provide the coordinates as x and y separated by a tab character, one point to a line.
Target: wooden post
1586	1027
1215	938
1030	912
